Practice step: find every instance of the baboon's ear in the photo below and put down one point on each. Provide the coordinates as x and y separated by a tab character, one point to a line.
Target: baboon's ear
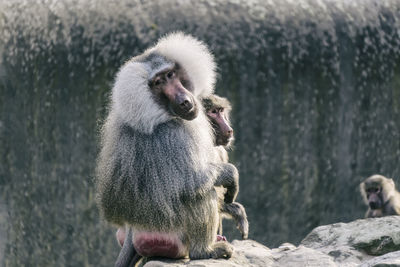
391	182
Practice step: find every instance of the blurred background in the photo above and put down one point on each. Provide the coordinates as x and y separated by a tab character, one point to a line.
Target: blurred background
315	89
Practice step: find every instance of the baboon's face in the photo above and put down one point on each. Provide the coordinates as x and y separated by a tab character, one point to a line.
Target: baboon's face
374	196
223	131
173	90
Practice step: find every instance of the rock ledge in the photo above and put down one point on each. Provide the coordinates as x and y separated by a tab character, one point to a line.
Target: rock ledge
366	243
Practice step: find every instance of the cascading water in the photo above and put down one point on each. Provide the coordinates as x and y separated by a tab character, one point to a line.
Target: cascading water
315	87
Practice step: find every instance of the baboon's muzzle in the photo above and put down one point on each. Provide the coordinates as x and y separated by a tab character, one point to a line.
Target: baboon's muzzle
374	205
181	102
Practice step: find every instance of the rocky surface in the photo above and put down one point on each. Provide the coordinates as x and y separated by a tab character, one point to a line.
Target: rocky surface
365	243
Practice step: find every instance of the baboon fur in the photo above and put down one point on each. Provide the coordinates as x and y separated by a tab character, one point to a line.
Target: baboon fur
389	197
233	210
156	172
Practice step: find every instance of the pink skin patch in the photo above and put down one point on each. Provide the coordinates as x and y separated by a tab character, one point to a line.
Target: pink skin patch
159	244
221	238
149	244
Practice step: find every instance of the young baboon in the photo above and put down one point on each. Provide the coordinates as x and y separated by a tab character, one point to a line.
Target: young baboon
381	196
157	167
217	109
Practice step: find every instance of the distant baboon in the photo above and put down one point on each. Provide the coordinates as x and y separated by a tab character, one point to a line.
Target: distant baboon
158	166
217	109
381	196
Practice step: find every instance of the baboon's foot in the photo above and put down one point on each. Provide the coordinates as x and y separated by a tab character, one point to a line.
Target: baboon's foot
222	250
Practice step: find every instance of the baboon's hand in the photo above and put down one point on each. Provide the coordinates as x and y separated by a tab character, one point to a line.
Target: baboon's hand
228	178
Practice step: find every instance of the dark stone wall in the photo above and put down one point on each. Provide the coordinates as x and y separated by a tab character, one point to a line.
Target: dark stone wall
315	87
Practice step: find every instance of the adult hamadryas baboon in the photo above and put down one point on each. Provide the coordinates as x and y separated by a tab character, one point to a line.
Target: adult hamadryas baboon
157	166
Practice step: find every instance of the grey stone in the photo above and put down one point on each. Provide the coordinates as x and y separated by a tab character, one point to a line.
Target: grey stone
390	259
247	253
358	243
301	256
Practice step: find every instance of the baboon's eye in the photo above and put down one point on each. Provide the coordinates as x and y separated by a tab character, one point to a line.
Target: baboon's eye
214	110
157	81
170	74
373	190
